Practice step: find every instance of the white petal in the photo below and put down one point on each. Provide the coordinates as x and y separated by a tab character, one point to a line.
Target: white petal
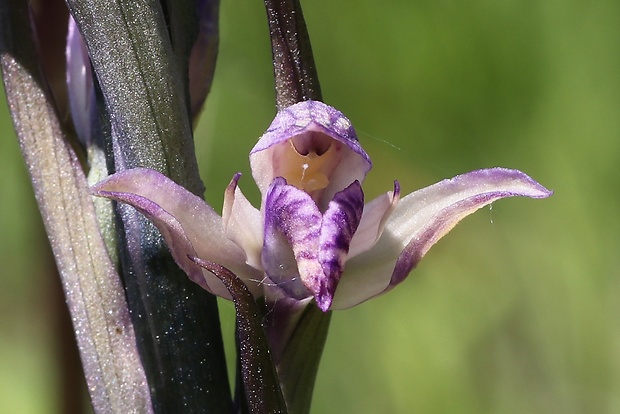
373	221
243	223
419	221
189	225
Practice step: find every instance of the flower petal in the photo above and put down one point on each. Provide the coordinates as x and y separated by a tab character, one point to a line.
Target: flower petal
309	123
290	249
79	83
189	225
373	221
419	221
243	223
340	221
203	55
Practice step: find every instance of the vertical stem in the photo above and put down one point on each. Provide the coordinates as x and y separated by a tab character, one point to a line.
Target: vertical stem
260	381
298	341
293	63
145	96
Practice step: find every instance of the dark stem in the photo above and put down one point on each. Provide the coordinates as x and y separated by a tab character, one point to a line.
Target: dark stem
261	384
293	63
296	80
144	90
241	403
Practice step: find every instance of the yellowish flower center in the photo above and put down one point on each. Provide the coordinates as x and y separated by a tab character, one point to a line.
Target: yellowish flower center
309	172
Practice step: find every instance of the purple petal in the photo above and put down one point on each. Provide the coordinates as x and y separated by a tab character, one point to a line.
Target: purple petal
290	249
204	54
79	83
189	225
419	221
340	221
311	125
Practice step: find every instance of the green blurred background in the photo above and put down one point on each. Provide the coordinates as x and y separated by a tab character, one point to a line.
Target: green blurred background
517	310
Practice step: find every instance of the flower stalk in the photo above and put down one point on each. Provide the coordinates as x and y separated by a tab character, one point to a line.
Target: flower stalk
260	381
296	78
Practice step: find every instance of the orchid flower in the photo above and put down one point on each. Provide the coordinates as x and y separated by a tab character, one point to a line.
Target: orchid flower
313	236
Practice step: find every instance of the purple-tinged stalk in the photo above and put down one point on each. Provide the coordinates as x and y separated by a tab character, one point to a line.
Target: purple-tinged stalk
262	388
291	321
295	74
114	374
203	55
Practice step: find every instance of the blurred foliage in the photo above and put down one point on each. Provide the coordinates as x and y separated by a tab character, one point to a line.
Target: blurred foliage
517	309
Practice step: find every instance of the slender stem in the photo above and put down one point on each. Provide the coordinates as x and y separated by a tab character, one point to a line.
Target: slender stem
293	63
261	385
296	80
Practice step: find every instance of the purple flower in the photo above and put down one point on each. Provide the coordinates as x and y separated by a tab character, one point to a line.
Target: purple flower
79	78
313	237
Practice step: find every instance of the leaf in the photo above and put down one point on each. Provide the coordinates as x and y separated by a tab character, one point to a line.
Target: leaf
96	299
